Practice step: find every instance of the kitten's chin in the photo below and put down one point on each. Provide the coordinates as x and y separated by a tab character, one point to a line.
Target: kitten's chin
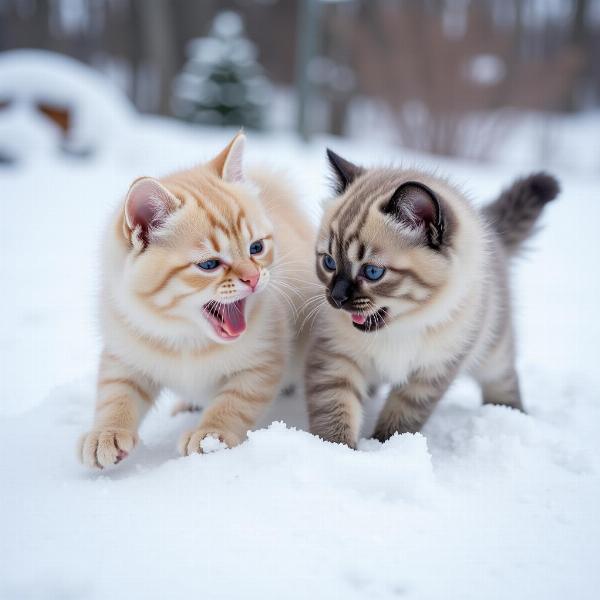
228	321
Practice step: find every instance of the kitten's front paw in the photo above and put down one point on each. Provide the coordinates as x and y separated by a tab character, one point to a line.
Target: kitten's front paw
191	442
103	447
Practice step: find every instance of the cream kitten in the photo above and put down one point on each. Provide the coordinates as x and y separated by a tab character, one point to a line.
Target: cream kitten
193	266
417	282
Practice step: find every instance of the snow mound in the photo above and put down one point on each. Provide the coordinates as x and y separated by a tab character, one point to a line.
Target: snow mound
387	520
98	113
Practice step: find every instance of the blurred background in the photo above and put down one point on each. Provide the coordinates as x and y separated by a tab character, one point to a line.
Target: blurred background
481	79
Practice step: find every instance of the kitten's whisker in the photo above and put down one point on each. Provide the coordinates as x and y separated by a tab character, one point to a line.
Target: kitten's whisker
288	286
312	313
319	307
295	271
282	260
300	281
312	300
287	299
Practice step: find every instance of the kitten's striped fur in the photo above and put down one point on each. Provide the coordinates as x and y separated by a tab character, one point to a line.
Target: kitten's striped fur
442	306
168	323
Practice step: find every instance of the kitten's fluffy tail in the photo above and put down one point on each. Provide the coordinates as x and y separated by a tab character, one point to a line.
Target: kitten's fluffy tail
515	212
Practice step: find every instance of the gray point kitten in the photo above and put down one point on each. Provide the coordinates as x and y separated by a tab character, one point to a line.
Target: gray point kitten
417	291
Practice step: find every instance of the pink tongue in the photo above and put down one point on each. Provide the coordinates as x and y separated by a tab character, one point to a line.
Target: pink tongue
359	319
234	318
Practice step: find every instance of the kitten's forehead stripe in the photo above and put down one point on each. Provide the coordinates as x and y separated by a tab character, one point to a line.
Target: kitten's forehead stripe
216	203
353	248
214	242
207	207
353	205
361	251
357	210
214	207
250	233
213	218
238	221
363	197
224	241
216	194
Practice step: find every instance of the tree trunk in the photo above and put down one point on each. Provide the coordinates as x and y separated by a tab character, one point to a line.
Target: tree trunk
158	44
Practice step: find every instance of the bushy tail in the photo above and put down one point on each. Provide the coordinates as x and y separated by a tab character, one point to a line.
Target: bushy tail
514	213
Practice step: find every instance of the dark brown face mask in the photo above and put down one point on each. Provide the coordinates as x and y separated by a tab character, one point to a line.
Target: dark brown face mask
341	291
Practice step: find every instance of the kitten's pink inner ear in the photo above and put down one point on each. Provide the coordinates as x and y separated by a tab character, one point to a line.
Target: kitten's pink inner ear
148	204
229	163
421	205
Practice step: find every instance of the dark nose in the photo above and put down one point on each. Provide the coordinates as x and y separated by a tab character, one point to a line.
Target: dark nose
341	291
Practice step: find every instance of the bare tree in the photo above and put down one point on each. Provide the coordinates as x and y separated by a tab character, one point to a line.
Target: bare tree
451	88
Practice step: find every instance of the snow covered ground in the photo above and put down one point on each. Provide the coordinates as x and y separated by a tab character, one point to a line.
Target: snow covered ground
487	503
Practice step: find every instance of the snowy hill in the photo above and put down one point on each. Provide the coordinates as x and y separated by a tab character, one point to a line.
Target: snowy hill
487	503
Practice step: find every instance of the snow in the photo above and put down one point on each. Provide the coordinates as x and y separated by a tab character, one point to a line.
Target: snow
486	69
100	113
485	503
212	444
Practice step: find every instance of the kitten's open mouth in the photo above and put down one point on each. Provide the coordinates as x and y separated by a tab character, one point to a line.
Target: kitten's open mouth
228	320
370	322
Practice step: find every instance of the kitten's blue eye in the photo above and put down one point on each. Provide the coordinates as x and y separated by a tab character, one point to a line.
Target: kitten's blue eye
329	262
256	247
373	272
209	265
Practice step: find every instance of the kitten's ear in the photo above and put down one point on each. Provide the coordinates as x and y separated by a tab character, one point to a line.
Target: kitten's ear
229	162
418	207
344	172
147	206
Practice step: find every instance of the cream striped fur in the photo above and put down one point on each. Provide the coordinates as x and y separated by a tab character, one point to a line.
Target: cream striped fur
167	323
441	306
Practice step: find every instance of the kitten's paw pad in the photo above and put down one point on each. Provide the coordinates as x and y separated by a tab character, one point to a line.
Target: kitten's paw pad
206	440
103	447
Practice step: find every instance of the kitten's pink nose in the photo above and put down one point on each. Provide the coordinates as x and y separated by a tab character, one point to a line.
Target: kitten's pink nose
250	278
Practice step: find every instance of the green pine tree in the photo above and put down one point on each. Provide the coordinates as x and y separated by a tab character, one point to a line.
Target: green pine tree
222	83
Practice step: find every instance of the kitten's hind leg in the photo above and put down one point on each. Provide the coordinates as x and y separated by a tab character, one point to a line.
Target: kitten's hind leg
409	406
503	390
498	376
